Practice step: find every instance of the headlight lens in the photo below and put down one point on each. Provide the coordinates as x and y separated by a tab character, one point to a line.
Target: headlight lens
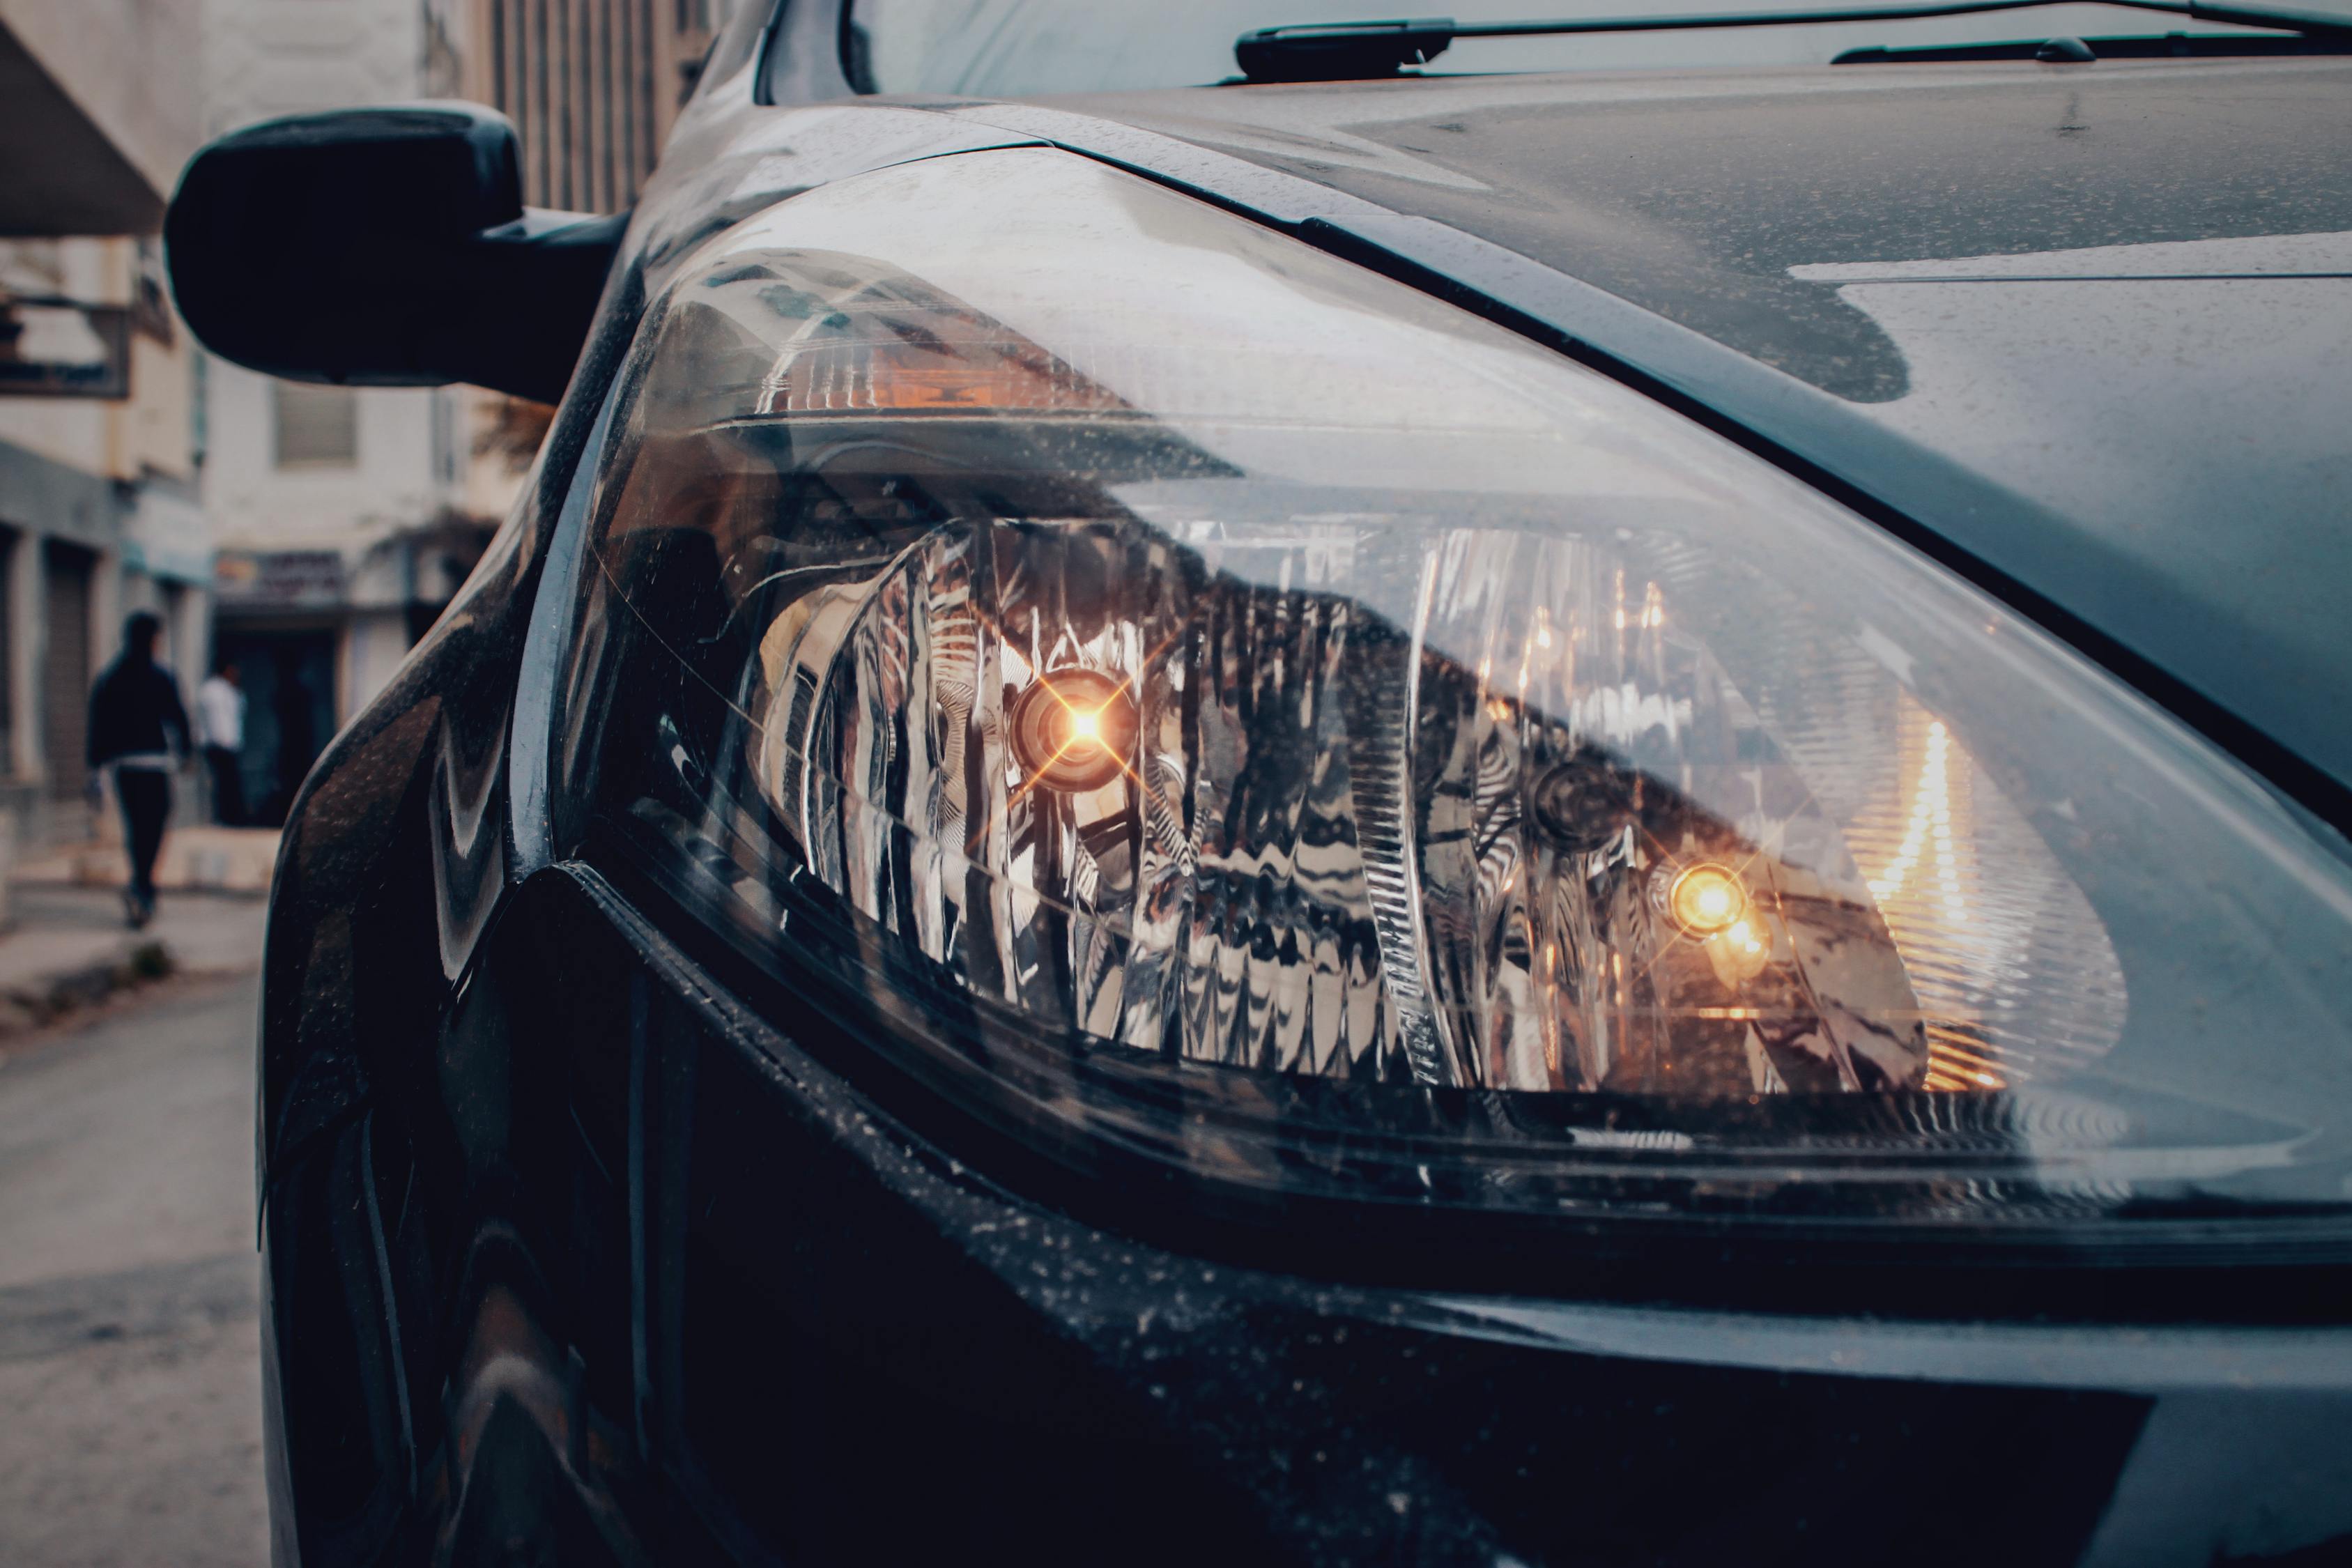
1191	698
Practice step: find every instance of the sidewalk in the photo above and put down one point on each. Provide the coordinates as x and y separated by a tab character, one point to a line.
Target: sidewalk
224	859
68	948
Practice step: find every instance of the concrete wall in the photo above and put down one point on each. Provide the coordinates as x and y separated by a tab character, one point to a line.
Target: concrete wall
266	57
256	504
153	430
128	116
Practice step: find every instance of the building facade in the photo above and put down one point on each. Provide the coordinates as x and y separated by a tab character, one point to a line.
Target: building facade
346	520
100	427
593	86
308	534
343	518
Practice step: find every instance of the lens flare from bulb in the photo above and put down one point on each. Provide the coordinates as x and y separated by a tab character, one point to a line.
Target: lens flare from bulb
1073	729
1707	898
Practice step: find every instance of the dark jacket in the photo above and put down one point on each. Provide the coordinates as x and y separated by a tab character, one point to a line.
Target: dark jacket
135	707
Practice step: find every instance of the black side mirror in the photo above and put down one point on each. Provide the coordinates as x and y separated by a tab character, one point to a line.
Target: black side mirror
384	247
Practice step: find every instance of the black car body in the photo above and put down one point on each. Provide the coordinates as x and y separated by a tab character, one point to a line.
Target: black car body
593	1234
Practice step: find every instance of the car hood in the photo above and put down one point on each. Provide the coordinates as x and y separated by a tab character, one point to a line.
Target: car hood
2118	296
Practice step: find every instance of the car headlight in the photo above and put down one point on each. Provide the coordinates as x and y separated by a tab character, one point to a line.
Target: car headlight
1189	699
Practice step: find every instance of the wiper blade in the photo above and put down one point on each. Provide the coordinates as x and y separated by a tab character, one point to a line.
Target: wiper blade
2143	47
1341	51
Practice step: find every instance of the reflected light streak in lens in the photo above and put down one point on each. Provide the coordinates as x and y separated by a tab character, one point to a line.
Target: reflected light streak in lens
1931	822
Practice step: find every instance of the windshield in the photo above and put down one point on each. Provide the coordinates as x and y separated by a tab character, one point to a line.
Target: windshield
1019	48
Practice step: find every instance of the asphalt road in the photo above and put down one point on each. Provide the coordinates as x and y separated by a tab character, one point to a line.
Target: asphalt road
130	1359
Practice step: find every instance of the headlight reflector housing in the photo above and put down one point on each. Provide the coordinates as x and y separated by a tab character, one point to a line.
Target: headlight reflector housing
1181	695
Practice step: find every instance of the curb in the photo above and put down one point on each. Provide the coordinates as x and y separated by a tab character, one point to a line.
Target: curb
50	997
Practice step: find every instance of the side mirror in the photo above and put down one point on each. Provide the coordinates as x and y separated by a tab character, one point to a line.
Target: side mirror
384	247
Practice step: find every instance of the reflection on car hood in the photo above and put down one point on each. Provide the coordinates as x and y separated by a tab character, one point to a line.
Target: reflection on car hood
2121	293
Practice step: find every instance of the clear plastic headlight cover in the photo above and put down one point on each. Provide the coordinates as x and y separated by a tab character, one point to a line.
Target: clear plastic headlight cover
1186	697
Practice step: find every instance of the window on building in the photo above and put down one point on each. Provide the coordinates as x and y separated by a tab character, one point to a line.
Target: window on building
593	87
318	427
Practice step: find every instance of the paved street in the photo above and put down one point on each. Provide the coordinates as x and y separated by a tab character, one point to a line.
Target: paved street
128	1357
66	928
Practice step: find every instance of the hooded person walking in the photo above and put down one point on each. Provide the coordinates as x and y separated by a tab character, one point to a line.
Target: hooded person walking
137	728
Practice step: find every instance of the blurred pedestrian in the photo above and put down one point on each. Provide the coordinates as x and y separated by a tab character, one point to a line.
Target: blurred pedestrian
220	724
137	728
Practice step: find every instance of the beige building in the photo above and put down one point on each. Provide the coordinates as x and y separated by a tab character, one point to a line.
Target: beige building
346	519
101	431
310	534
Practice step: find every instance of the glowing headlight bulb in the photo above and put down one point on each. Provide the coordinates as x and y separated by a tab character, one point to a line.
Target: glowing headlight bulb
1707	898
1073	729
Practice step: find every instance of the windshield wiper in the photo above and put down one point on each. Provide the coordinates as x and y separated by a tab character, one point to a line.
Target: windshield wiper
1342	51
2082	50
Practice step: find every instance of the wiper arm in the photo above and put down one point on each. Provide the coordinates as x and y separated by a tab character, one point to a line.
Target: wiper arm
2093	46
1341	51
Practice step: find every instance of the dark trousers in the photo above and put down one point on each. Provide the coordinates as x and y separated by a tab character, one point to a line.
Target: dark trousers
228	784
146	797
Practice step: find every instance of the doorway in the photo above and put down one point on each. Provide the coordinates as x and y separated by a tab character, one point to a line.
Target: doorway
289	680
66	573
